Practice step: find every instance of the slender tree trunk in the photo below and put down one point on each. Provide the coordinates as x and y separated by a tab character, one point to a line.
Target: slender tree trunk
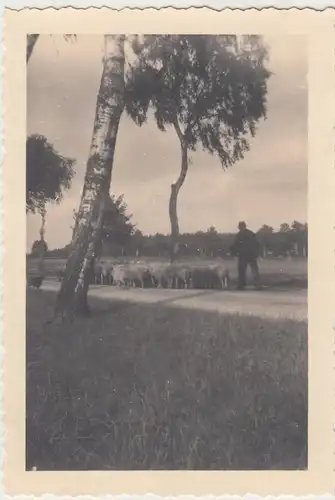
72	297
296	250
175	188
31	41
40	264
306	246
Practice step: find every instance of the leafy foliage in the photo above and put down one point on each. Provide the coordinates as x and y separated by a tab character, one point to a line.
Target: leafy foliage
36	247
117	227
210	243
289	238
48	174
284	227
212	89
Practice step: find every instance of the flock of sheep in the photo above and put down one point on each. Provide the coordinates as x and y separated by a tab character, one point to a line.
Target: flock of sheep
161	275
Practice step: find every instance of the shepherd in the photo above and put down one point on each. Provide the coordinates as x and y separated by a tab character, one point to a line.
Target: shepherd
246	249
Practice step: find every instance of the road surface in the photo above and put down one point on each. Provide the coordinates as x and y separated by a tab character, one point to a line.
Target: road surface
266	303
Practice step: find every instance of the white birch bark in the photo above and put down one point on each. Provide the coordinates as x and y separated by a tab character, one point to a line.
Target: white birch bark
110	104
31	41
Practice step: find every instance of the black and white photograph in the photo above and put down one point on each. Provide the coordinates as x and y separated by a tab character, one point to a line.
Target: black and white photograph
166	252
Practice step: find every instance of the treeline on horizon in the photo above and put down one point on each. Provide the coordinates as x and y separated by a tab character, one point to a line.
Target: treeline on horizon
289	240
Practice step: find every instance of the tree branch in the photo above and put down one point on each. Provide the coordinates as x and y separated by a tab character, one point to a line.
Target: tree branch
178	129
190	125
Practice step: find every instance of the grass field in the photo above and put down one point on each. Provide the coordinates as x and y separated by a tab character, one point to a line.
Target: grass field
291	272
145	387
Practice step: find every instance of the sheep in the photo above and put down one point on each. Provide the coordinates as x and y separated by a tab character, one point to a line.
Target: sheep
222	274
124	275
180	274
137	273
203	277
158	274
175	275
170	275
97	278
118	275
106	274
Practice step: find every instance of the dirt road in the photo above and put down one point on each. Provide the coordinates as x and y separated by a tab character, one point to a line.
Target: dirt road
266	303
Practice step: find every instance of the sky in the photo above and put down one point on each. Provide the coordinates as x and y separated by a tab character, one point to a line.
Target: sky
269	186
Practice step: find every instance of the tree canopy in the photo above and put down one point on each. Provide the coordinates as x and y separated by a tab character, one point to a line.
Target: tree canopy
117	226
210	244
48	173
212	89
36	247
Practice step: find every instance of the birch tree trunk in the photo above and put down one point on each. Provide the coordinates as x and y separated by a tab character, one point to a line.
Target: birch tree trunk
175	188
72	297
31	41
40	264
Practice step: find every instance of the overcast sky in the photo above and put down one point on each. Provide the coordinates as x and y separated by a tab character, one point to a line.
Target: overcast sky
268	186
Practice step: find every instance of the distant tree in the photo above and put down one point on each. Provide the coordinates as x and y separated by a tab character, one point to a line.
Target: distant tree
283	239
265	229
200	244
284	228
264	235
280	244
305	240
36	247
138	240
161	245
117	227
299	237
60	253
213	241
226	241
48	173
297	227
210	89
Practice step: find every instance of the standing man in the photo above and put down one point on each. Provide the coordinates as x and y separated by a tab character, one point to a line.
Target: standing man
246	249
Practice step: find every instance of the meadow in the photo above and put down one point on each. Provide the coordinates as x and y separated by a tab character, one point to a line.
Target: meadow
138	387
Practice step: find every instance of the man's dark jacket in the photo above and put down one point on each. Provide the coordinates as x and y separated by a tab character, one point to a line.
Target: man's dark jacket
245	246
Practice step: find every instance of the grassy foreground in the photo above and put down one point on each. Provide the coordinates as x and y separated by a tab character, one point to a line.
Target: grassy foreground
144	387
